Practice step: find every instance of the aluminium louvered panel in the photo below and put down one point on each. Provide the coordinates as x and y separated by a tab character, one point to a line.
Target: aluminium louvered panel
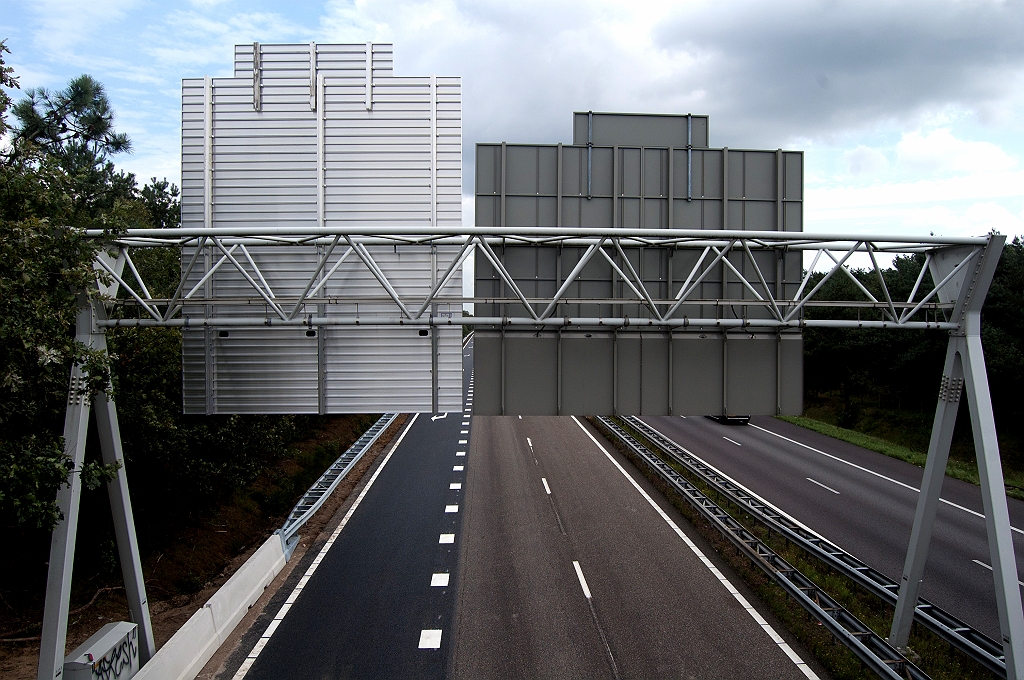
368	368
307	135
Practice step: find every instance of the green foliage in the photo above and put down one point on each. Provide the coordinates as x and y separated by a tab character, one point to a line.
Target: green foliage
861	371
45	264
7	79
42	265
76	123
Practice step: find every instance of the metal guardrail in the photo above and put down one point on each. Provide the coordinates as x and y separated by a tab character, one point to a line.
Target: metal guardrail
974	643
329	480
870	648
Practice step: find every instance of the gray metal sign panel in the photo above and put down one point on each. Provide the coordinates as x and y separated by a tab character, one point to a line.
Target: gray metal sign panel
639	129
637	372
638	187
309	135
632	175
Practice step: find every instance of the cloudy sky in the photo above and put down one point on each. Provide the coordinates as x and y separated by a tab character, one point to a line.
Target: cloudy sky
911	114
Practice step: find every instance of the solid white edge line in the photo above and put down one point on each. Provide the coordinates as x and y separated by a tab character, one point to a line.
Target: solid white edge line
828	488
546	487
251	658
982	564
754	614
583	581
876	474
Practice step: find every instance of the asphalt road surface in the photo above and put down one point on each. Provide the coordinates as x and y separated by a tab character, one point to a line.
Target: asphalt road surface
380	603
861	500
528	550
568	571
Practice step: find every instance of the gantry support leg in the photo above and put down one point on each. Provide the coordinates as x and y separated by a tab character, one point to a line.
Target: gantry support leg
62	544
62	541
124	524
965	365
997	515
931	487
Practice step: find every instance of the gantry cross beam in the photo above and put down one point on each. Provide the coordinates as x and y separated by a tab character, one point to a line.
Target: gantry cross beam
765	300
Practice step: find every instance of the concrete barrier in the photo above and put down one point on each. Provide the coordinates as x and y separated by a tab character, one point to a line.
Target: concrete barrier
188	650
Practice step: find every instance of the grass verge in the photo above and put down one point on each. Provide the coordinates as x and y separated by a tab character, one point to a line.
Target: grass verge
937	658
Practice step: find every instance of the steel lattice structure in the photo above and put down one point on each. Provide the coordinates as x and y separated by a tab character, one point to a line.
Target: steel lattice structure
946	258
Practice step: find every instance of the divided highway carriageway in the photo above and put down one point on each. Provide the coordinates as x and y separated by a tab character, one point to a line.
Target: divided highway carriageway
508	547
860	500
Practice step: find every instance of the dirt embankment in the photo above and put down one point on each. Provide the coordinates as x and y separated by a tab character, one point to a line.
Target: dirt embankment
185	570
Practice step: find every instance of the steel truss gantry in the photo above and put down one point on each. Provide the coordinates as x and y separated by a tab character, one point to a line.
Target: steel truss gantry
232	248
961	271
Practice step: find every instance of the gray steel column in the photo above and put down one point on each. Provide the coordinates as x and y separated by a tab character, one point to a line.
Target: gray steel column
124	524
62	542
931	486
997	515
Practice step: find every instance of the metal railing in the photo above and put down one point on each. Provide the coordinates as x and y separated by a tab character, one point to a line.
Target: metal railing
329	480
868	646
974	643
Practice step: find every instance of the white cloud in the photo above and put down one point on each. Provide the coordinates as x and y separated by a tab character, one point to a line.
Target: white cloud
865	161
978	186
976	219
938	151
62	25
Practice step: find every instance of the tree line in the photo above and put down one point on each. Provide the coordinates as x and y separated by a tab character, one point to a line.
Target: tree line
57	178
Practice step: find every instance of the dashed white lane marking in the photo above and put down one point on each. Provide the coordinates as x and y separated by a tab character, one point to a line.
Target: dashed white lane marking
465	423
460	453
583	581
458	468
262	642
463	441
876	474
455	485
430	639
451	508
827	488
446	538
730	440
754	614
546	487
439	580
982	564
464	432
529	442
